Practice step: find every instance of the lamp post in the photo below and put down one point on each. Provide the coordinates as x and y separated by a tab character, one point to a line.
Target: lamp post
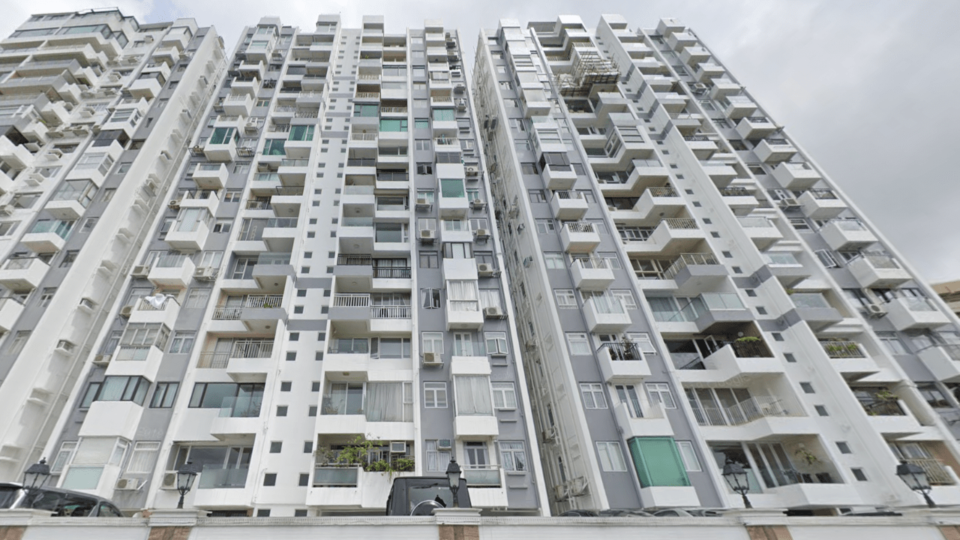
916	479
453	476
185	477
737	479
36	475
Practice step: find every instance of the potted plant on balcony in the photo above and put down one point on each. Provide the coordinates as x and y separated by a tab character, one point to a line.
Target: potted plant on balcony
885	396
747	346
630	350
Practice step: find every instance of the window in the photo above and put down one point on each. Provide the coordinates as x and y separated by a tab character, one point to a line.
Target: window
430	298
197	298
444	115
626	299
504	395
658	462
46	295
433	342
545	226
429	259
512	456
182	342
423	144
393	126
578	343
435	395
611	457
593	397
452	188
566	299
627	394
892	343
424	168
490	298
934	396
143	457
120	389
457	250
554	261
19	340
164	395
437	459
241	400
496	343
660	393
63	456
689	456
473	395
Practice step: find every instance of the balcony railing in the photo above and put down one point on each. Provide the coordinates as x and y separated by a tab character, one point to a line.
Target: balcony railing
390	312
809	300
840	348
351	300
241	349
391	272
568	194
240	407
592	263
580	227
882	262
346	476
464	305
883	407
823	194
361	162
755	222
680	223
744	412
482	476
622	351
138	354
937	474
144	305
219	478
735	192
689	259
358	190
662	192
916	304
294	162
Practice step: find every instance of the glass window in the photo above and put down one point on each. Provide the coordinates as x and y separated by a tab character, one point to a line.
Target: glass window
496	343
512	456
473	395
504	395
433	342
452	188
658	462
689	456
301	133
611	456
393	125
593	396
164	395
660	393
435	395
578	343
566	299
444	115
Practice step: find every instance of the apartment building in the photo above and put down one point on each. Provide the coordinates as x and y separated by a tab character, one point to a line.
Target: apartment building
949	291
319	307
692	289
94	112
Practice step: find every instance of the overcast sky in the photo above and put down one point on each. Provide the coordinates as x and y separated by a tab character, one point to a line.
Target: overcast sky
867	88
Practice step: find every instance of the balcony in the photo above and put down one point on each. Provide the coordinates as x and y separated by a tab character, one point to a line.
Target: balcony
702	146
886	413
10	310
189	236
878	271
238	104
605	314
762	230
721	172
222	148
720	312
23	273
737	107
356	235
696	272
358	200
847	235
814	309
821	204
622	362
172	271
136	361
272	270
650	422
355	313
146	88
671	237
943	361
657	202
464	315
579	237
250	86
707	71
756	127
775	150
914	313
849	358
592	274
164	312
753	419
14	155
238	419
677	40
568	205
741	362
694	55
796	176
338	486
740	200
210	175
559	177
47	236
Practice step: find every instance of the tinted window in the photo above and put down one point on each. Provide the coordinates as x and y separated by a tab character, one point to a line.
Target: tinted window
8	496
108	510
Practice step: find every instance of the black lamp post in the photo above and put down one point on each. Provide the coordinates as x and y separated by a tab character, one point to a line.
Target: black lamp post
185	477
916	479
36	475
453	475
737	479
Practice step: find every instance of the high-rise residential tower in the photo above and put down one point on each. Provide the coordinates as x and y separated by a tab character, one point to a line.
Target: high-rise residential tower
319	306
693	290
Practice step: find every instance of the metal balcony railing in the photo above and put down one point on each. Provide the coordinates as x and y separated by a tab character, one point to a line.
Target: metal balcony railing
580	227
689	259
666	191
937	474
351	300
390	312
741	413
809	300
841	348
681	223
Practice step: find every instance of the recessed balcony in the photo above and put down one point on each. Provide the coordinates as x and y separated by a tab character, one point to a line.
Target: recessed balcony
878	271
796	176
847	234
914	313
821	204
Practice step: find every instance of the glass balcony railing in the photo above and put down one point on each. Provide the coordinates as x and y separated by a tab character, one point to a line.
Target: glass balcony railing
482	476
335	476
60	228
241	406
809	300
215	477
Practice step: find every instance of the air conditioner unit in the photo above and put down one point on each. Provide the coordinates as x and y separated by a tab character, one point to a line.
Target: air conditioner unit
205	273
64	346
699	88
169	480
174	204
461	104
530	344
444	444
125	311
398	447
101	359
875	311
128	484
471	170
460	88
482	234
578	486
789	203
485	270
423	204
432	359
427	236
492	313
87	304
141	271
527	261
478	204
197	150
560	493
549	434
7	209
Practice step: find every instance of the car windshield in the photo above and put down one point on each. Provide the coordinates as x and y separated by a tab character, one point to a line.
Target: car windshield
8	496
437	492
61	504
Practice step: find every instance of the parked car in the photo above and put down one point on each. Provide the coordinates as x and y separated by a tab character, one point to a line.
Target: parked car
60	502
420	496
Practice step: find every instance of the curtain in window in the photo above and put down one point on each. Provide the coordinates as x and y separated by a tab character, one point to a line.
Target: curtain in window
490	298
385	402
94	451
473	396
462	290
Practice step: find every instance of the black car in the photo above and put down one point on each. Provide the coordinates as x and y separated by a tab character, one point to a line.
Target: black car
420	496
60	502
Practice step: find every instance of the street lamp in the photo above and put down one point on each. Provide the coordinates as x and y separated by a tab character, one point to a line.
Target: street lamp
36	475
453	475
737	479
185	477
916	479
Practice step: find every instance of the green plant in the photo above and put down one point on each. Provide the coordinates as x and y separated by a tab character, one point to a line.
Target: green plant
405	465
806	456
748	339
886	395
